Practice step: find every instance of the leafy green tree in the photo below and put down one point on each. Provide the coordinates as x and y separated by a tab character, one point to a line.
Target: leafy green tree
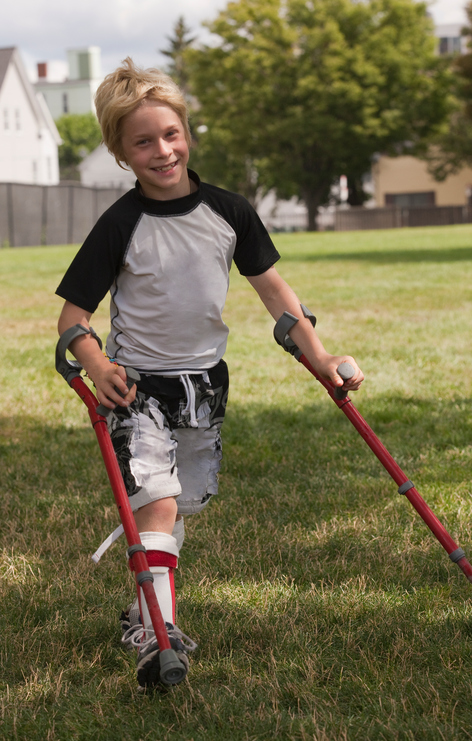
451	150
308	90
80	134
221	161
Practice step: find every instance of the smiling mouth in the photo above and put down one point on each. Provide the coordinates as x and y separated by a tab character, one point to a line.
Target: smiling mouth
165	168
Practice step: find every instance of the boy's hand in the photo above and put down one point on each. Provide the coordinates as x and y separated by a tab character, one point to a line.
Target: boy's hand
110	384
109	378
327	368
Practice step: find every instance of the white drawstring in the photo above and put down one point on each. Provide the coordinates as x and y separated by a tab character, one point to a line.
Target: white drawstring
190	406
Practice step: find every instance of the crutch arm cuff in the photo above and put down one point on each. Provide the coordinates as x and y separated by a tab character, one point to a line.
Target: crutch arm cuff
70	369
283	327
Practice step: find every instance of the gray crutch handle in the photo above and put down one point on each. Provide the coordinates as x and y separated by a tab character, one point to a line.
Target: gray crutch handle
346	371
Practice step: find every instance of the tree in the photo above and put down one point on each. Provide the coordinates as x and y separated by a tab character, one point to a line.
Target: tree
80	134
311	89
451	149
179	42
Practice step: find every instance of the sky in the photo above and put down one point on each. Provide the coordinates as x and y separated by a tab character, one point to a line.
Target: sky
43	30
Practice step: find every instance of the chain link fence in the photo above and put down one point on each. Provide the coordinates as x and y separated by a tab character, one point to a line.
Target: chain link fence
33	215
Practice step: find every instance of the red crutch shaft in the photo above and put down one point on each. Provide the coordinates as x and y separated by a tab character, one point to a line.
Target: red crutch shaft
400	478
138	559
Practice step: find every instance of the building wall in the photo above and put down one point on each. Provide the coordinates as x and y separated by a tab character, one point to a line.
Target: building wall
71	96
28	153
100	170
76	93
84	64
402	175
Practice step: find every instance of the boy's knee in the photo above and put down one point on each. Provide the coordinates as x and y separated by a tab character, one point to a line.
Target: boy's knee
158	515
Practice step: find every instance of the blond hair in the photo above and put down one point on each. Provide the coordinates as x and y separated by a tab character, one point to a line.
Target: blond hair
122	91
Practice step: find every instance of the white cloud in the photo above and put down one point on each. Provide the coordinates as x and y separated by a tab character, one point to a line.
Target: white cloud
43	31
448	11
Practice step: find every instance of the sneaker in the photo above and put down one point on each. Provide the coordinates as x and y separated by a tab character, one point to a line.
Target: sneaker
130	621
148	663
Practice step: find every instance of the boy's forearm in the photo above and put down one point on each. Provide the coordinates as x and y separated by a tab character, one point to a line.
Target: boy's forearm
85	348
109	378
278	297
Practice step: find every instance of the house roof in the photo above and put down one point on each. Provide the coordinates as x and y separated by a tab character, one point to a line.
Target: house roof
5	59
10	56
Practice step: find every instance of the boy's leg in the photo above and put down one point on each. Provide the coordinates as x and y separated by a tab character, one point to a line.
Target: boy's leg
145	449
157	465
155	524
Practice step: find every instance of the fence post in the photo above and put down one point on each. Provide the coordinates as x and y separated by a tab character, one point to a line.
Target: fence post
10	215
44	215
70	214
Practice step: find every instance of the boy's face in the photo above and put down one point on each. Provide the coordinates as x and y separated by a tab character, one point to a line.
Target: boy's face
154	146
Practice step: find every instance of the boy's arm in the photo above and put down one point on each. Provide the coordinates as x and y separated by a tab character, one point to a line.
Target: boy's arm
105	375
277	296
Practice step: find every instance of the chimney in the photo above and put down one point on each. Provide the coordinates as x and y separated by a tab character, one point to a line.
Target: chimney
42	70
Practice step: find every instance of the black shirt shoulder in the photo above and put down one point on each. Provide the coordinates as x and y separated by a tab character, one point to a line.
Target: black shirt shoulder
98	262
255	252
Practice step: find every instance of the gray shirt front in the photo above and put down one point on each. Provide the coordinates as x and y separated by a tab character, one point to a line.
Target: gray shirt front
167	264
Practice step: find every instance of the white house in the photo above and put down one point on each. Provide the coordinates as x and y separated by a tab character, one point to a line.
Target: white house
100	170
29	139
76	93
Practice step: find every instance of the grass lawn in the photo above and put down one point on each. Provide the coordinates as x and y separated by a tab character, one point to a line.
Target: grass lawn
323	607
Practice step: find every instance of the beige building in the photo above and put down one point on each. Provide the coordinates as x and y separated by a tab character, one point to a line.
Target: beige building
405	181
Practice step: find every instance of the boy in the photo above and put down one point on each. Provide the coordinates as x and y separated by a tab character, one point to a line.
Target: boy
164	252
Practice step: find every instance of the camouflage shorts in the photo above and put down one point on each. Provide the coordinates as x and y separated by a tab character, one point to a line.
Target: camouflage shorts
168	441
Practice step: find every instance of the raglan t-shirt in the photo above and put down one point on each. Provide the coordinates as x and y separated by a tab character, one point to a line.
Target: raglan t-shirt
166	265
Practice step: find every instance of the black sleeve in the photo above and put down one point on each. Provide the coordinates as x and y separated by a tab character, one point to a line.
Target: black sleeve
255	252
98	262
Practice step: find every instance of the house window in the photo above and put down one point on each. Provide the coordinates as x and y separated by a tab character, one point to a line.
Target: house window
410	200
450	45
17	119
6	120
65	103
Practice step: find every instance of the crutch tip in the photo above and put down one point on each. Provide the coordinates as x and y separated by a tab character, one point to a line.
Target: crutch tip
173	668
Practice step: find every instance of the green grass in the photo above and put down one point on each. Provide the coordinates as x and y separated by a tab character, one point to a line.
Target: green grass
323	607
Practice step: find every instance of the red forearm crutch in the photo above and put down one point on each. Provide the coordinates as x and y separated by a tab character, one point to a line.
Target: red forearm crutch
339	396
172	670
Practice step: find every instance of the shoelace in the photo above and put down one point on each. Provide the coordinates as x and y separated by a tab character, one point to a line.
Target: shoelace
146	637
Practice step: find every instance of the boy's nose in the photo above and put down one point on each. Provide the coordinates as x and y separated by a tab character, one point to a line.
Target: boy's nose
163	148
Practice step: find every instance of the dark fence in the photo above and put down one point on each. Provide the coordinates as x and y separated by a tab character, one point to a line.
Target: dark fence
50	214
64	214
392	217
